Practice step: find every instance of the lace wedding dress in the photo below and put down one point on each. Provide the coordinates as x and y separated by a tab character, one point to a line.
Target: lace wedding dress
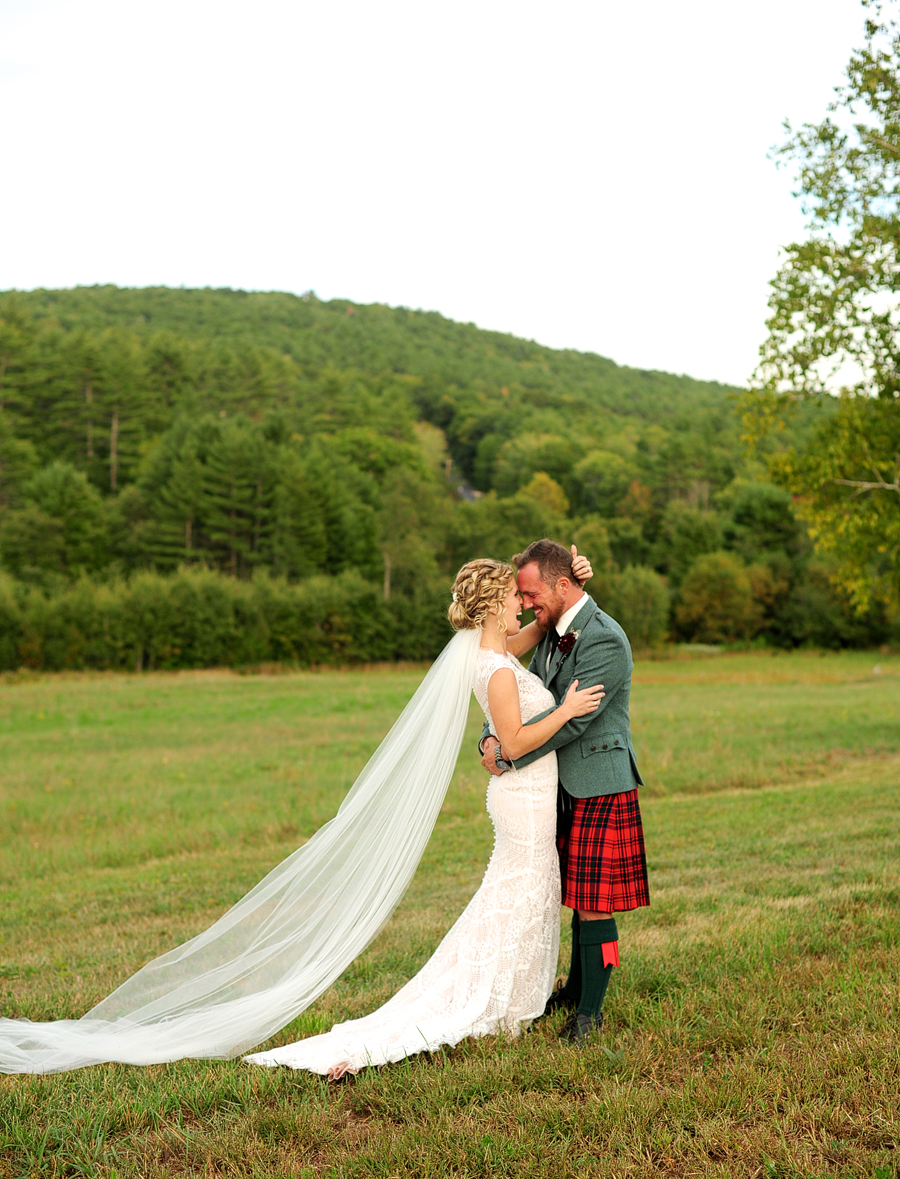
495	968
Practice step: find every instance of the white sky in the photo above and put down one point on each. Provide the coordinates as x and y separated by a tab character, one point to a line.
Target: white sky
588	174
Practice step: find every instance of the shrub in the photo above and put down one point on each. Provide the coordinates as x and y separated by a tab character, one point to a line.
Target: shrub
716	603
10	624
202	618
205	630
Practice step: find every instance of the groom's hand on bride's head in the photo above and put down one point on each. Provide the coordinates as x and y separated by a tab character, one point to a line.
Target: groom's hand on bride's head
582	570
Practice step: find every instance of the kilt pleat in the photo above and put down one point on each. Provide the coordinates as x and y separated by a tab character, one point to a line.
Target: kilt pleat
601	856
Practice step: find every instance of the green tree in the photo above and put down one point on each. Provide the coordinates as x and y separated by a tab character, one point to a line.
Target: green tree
18	461
761	522
601	480
236	506
125	407
547	492
412	522
686	533
18	355
591	536
170	367
627	541
639	602
716	602
63	528
834	325
10	623
498	528
299	537
178	508
522	457
88	403
348	501
75	407
848	489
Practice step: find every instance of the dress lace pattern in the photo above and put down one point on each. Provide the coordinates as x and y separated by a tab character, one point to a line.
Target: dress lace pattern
494	970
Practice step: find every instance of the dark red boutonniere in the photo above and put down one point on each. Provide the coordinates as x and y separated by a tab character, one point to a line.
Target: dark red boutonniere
568	641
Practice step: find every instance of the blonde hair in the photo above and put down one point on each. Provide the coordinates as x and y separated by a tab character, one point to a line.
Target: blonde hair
479	585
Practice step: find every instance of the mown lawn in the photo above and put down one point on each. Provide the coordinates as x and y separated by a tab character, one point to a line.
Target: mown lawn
753	1027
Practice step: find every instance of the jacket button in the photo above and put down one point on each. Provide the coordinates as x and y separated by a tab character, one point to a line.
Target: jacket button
593	749
606	747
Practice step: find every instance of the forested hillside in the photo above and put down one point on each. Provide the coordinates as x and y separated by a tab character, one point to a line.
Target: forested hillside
279	457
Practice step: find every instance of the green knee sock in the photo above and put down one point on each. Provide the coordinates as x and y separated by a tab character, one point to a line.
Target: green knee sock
573	982
594	975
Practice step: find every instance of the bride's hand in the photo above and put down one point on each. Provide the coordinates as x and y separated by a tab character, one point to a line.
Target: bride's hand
581	703
582	569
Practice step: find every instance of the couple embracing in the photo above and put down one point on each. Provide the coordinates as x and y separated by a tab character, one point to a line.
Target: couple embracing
562	796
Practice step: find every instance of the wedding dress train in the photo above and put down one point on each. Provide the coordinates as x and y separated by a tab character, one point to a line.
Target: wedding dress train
281	945
494	970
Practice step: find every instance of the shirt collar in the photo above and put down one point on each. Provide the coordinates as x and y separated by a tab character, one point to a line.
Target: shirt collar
569	617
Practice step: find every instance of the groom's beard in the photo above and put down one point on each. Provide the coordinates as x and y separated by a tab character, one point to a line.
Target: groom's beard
553	608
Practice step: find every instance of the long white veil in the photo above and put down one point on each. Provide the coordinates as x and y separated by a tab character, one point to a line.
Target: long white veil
280	946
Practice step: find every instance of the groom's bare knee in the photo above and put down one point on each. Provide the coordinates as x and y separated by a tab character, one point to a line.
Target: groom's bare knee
590	915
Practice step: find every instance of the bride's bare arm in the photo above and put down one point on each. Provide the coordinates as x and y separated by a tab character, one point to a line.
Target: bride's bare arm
529	636
517	739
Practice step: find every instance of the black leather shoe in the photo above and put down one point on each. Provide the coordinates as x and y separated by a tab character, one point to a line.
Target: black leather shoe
559	1001
579	1028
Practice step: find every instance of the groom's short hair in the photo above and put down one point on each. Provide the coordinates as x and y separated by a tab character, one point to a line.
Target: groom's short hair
553	560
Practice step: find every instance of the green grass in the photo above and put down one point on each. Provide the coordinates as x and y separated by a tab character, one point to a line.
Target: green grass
752	1029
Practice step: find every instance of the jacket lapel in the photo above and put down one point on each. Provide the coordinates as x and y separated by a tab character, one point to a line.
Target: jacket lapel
579	622
539	661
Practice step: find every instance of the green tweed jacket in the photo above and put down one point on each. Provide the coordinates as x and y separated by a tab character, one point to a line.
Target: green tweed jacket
594	752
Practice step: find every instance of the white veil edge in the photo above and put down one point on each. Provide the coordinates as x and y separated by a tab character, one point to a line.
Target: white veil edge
276	950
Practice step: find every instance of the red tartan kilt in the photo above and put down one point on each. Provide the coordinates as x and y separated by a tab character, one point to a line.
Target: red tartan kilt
601	858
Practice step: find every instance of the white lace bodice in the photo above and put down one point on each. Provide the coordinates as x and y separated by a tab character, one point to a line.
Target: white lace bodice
533	696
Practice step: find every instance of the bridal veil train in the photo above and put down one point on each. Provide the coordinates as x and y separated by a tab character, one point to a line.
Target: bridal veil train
275	951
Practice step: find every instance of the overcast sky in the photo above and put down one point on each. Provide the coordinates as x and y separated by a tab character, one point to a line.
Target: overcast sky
588	174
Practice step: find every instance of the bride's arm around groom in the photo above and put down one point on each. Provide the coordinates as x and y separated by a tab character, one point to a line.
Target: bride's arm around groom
594	649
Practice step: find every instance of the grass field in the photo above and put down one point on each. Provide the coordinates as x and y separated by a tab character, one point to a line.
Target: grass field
752	1029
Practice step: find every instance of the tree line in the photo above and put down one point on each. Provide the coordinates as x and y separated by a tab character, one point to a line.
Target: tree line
177	439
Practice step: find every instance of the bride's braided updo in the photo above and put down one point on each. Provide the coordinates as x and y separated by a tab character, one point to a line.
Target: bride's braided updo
480	588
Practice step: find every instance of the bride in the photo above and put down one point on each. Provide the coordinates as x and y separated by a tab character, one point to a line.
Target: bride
495	968
280	946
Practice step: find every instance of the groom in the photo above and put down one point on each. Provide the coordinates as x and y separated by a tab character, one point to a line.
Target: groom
599	832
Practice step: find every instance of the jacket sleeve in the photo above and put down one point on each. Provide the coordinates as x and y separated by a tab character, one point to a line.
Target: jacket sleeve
601	661
485	732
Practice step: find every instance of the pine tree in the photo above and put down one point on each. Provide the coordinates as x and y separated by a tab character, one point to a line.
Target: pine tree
236	506
18	462
63	527
18	354
299	539
125	404
177	538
